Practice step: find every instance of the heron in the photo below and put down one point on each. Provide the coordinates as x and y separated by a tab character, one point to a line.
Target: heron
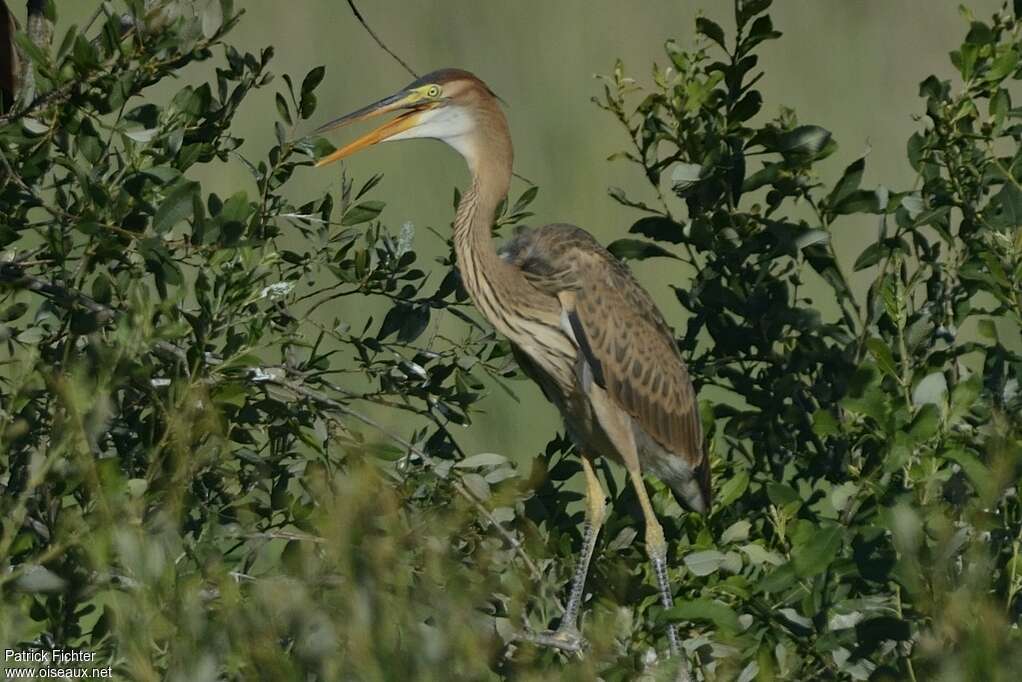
579	323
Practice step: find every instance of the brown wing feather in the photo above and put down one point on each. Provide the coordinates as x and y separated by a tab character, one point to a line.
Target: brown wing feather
627	337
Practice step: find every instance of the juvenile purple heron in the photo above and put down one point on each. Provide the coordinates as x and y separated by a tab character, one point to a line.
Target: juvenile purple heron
579	323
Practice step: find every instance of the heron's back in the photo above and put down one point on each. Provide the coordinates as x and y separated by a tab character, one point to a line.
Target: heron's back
625	346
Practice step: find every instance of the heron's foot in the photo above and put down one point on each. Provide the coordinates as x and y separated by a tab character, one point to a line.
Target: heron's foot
566	639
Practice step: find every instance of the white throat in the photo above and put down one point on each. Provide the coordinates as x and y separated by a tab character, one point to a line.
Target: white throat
451	124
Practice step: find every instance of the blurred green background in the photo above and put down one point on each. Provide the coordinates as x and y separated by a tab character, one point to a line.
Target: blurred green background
852	67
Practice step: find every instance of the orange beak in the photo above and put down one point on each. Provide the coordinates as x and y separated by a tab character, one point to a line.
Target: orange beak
407	120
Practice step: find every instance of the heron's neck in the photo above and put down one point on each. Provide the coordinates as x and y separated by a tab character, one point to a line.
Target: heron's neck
491	177
496	287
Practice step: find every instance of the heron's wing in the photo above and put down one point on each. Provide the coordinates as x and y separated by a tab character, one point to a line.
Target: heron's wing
630	349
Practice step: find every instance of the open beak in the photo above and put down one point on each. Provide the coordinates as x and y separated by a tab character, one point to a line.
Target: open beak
409	119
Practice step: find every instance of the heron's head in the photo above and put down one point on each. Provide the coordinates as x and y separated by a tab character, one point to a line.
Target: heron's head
450	105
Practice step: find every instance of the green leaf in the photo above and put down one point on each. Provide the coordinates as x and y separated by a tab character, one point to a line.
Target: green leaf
177	206
913	204
526	198
477	485
976	471
811	237
747	106
237	208
877	251
782	494
881	352
37	578
931	389
704	562
1000	106
987	329
283	109
637	249
711	30
684	176
876	631
1006	207
736	532
29	49
31	336
761	29
384	451
979	34
873	403
760	555
623	540
858	201
212	19
816	554
483	459
841	494
307	107
83	54
733	488
768	175
162	174
13	312
825	424
83	322
721	615
747	9
849	182
963	397
659	228
313	79
415	322
34	126
781	578
409	321
362	213
808	140
925	424
142	136
233	394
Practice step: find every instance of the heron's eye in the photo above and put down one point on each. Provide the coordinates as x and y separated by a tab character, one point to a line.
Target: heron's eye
433	91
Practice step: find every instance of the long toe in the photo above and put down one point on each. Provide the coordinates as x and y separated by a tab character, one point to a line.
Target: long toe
568	640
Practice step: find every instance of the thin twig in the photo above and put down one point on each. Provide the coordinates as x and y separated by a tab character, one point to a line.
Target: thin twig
361	20
13	274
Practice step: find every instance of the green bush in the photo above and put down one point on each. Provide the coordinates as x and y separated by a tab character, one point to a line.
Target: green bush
201	476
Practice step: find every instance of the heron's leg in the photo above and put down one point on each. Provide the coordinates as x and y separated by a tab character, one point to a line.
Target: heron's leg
656	547
618	426
568	636
596	507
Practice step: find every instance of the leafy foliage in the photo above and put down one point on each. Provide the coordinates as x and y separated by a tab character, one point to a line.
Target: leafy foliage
217	465
188	440
867	524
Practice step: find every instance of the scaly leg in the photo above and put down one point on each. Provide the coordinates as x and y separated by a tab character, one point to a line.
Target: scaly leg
656	547
617	424
567	636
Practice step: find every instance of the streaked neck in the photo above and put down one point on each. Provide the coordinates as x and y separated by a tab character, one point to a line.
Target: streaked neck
483	273
498	289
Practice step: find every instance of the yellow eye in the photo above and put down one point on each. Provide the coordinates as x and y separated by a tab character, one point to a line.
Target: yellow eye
433	91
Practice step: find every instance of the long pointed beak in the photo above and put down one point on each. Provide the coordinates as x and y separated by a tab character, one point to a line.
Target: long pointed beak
396	102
